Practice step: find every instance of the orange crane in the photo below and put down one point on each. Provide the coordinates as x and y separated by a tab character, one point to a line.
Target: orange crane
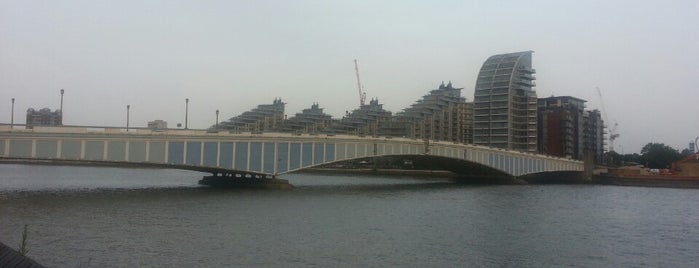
362	94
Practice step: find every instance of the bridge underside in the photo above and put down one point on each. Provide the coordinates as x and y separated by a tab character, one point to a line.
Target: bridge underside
472	172
220	177
218	172
465	171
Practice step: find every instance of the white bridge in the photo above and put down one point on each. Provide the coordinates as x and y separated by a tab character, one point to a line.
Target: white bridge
262	155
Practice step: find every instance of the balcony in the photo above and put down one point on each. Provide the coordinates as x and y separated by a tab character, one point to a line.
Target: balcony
527	70
527	76
499	92
525	82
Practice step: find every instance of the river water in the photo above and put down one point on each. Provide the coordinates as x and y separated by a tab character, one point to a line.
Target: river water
111	217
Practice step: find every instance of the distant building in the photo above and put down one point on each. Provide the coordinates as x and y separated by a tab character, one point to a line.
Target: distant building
363	121
311	120
566	129
43	117
560	126
505	104
265	117
593	134
468	123
157	124
442	115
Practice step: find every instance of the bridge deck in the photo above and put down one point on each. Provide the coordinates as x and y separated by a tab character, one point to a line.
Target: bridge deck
265	153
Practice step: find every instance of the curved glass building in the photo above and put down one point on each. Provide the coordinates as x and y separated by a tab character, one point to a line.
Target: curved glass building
505	104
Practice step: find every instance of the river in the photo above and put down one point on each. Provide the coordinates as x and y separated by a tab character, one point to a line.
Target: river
111	217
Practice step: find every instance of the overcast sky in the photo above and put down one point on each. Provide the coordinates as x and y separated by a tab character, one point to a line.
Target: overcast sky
234	55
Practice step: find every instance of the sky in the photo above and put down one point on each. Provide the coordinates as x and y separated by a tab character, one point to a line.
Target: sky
233	55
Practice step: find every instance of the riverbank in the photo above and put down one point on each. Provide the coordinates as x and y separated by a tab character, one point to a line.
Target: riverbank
11	258
652	181
683	174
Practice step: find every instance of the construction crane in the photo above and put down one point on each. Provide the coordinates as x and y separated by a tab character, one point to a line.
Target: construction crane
613	135
612	132
362	94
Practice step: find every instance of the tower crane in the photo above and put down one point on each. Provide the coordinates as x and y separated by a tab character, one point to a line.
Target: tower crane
613	135
612	132
362	94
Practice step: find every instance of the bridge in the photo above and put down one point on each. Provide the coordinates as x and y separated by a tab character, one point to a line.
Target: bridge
257	155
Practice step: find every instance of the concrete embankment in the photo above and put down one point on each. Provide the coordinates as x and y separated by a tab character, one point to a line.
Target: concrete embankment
652	181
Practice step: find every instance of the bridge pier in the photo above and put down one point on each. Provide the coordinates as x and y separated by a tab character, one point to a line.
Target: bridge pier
245	180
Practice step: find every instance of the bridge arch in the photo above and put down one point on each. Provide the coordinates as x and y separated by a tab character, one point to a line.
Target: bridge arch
462	168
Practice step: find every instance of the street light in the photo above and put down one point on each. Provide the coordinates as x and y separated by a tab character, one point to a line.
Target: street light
12	117
186	111
217	119
128	107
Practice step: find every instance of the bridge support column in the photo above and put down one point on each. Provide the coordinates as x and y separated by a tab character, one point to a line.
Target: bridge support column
588	165
245	180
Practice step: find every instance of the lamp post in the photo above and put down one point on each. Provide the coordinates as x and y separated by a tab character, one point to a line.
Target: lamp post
186	112
12	116
128	107
62	91
217	119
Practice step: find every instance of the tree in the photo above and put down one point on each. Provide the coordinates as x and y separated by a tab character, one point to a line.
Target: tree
635	158
612	159
659	155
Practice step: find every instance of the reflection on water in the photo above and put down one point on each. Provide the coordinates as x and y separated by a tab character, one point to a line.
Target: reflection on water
113	217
